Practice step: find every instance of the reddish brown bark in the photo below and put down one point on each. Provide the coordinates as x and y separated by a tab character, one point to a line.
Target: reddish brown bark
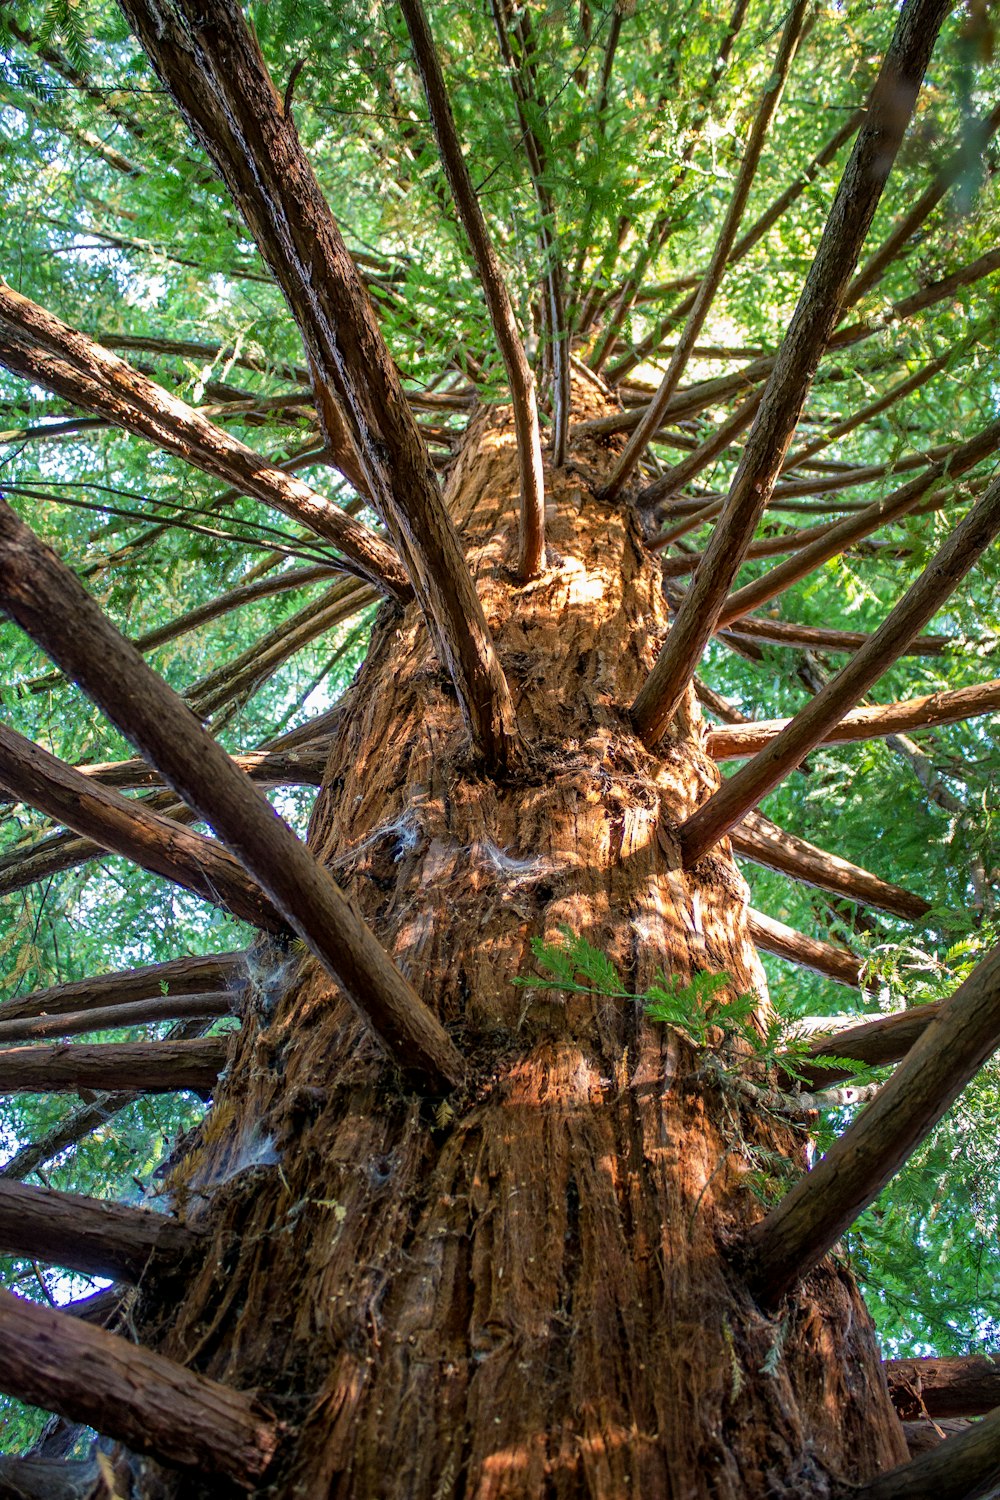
522	1293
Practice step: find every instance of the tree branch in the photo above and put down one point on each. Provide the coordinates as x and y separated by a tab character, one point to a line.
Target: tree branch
808	334
712	279
522	384
115	1017
211	64
129	1067
808	728
38	347
146	1401
178	976
124	826
763	842
47	601
88	1235
794	1236
838	964
952	707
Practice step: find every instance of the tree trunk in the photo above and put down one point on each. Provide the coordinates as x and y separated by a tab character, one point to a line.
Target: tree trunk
527	1289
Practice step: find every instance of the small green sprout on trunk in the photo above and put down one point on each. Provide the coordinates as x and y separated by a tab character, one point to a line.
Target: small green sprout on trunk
735	1028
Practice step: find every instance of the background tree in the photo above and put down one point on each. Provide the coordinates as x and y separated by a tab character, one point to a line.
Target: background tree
500	1188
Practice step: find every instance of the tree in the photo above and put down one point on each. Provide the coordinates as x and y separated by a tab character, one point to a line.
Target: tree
502	1187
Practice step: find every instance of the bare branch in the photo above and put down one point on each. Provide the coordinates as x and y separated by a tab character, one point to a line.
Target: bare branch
213	67
873	1043
832	962
712	280
88	1235
809	727
865	723
130	1067
794	1236
522	384
178	976
762	841
808	334
124	826
47	601
961	1386
148	1402
39	347
114	1017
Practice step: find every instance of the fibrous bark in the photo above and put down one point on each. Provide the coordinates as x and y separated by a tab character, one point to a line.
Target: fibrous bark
521	1293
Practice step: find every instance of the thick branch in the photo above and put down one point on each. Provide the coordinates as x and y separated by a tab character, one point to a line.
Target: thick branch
808	334
809	727
210	62
123	826
178	976
824	958
146	1401
86	1234
794	1236
762	841
132	1067
39	347
44	597
114	1017
522	384
737	740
